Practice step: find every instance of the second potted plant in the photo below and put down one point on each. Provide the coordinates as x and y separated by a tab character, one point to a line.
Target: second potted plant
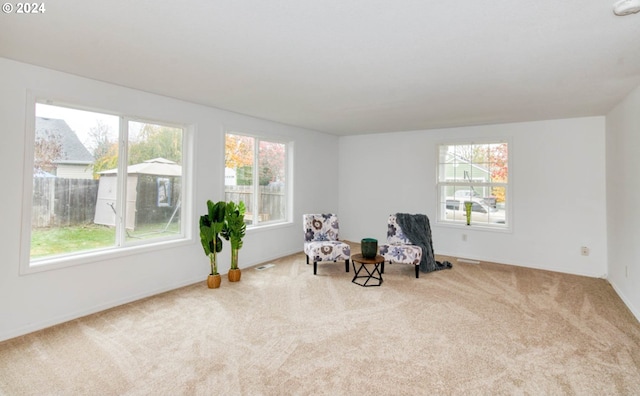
234	230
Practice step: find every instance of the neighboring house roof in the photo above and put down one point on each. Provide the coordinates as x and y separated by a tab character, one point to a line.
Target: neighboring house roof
156	166
451	158
73	151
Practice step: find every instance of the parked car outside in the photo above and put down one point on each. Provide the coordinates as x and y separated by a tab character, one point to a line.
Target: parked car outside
469	195
481	213
465	195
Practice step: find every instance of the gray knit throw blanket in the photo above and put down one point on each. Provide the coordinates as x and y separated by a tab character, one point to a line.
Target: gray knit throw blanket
417	229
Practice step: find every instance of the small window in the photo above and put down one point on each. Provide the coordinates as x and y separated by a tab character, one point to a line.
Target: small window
256	173
477	173
90	192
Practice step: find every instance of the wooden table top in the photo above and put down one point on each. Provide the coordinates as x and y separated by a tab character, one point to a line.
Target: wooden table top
360	259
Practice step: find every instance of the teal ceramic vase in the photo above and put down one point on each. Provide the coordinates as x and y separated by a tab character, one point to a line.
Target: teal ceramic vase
369	247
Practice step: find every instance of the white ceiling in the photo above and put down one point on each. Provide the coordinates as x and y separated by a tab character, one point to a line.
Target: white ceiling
347	66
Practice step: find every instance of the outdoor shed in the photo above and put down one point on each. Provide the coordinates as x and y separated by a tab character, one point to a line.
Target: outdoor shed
153	194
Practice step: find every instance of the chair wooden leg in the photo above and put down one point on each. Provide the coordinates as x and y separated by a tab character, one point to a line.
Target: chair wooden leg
346	265
417	271
315	267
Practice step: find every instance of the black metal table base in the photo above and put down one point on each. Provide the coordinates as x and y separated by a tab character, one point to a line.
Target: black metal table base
369	274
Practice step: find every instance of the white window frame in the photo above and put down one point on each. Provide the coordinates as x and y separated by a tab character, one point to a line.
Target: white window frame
441	201
256	175
120	247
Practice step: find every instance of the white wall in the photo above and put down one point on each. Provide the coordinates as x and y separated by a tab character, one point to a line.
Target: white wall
623	196
30	302
558	192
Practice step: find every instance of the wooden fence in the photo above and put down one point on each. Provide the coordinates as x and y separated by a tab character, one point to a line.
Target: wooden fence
271	204
60	202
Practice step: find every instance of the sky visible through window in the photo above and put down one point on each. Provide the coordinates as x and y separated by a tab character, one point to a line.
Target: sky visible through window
79	121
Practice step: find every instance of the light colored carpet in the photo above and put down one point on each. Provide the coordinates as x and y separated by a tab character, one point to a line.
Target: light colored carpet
474	329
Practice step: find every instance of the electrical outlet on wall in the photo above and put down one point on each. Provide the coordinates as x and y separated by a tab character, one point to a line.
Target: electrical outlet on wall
584	251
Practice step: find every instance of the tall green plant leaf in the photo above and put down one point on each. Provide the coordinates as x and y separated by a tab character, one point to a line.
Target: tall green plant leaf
211	225
235	227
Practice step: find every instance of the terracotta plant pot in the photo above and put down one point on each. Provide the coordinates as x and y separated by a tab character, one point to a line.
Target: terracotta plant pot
213	281
234	275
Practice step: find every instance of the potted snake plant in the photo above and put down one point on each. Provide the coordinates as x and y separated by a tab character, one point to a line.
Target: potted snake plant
211	226
234	230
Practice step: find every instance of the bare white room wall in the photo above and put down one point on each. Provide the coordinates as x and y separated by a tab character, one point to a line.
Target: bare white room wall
34	301
623	195
557	176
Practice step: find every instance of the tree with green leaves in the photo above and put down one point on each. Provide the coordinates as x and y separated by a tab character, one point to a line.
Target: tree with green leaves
151	141
105	148
155	141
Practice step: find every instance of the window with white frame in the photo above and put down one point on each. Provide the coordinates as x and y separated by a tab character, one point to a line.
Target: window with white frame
256	174
102	182
474	176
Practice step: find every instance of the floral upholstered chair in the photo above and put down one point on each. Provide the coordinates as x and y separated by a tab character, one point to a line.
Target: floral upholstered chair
398	248
321	241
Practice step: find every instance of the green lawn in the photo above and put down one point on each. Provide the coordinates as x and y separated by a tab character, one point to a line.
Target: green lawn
53	241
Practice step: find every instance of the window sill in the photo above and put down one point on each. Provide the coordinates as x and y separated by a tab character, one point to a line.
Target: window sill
94	256
268	226
475	227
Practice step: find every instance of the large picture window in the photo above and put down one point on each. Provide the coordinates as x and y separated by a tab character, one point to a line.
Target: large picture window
256	173
477	174
101	182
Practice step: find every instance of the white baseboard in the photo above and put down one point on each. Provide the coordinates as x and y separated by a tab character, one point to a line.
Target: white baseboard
98	308
634	310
